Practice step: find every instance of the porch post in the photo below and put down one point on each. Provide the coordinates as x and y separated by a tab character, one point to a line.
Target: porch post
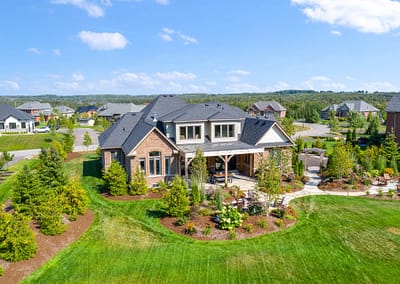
226	160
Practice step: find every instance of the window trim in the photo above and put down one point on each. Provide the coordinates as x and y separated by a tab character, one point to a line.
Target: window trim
155	160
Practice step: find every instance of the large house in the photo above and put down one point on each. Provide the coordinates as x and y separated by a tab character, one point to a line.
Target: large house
393	117
36	109
14	120
267	109
114	111
344	108
65	111
86	111
163	138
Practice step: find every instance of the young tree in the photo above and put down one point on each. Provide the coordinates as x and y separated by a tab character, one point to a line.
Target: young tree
356	120
333	121
51	171
340	162
287	125
176	201
7	157
87	141
199	172
374	123
68	141
391	148
138	182
115	179
268	178
49	215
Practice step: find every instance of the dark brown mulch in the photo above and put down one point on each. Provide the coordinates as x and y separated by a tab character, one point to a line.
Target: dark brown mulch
48	247
342	186
73	155
202	222
148	195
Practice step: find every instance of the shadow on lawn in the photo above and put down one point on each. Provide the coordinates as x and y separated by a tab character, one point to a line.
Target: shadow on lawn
155	213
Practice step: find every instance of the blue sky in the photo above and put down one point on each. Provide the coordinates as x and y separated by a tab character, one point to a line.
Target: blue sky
143	47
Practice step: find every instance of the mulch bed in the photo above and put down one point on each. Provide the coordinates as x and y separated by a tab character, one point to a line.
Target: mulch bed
73	155
342	186
202	222
48	247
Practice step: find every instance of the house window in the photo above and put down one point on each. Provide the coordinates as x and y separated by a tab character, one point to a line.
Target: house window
167	161
23	125
224	130
1	125
189	132
155	163
142	164
115	156
12	125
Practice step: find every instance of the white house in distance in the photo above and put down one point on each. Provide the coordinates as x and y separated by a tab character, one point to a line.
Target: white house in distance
13	120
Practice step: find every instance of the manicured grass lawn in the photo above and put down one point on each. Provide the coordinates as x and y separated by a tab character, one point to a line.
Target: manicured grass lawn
26	141
336	240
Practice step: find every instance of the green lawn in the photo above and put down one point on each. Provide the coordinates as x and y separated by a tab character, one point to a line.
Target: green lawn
336	240
26	141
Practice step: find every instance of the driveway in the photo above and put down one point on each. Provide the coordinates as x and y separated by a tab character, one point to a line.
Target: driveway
316	130
79	134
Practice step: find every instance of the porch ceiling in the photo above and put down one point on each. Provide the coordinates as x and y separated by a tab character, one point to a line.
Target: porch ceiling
220	149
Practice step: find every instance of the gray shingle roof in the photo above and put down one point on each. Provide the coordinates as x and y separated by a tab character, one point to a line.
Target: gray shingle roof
65	109
262	105
393	105
358	105
83	109
254	129
205	112
111	109
35	105
7	111
161	106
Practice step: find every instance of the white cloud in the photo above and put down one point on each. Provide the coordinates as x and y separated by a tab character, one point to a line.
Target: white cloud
33	50
169	35
103	41
369	16
350	78
380	86
239	72
336	33
106	3
7	85
56	52
93	10
78	77
242	88
176	76
67	86
321	83
162	2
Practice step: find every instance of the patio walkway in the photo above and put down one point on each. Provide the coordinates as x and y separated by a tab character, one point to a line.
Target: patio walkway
310	188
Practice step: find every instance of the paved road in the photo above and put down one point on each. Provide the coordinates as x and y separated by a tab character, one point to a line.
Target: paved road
316	130
79	134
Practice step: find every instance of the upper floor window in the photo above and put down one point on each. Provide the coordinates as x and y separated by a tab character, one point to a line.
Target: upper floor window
155	163
189	132
224	130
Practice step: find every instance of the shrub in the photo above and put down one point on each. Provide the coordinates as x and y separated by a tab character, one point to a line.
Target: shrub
245	216
388	171
190	228
115	179
380	192
279	223
138	183
374	173
17	241
180	221
1	270
278	212
175	201
207	230
367	192
290	211
232	235
249	228
391	193
288	188
218	199
230	218
366	181
206	212
262	224
74	199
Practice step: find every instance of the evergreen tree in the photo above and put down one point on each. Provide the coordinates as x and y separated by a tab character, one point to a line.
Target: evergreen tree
374	123
349	136
195	193
49	215
68	141
74	199
340	162
391	148
17	240
7	157
175	201
138	182
198	167
115	179
268	178
51	171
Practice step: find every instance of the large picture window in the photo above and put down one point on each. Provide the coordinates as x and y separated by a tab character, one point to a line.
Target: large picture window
12	125
155	163
189	132
224	130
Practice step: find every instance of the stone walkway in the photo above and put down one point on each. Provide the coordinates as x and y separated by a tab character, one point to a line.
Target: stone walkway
310	188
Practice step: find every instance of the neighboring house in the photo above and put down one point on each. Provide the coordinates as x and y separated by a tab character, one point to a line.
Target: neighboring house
114	111
86	121
393	117
88	111
267	109
343	109
14	120
162	139
65	111
35	109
